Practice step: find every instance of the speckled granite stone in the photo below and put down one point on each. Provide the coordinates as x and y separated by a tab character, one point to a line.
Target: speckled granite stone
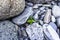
8	31
11	8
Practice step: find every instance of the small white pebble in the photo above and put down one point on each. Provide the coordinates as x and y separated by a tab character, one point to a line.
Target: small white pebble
53	19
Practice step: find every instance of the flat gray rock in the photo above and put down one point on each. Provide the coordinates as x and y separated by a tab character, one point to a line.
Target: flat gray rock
8	31
35	31
21	19
47	34
50	32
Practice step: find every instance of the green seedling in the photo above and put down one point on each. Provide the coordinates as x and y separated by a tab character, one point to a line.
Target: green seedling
30	20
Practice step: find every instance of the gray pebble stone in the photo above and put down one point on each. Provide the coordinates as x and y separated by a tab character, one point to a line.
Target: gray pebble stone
22	33
41	22
29	4
8	31
53	19
21	19
47	16
35	31
37	5
58	22
53	25
36	15
50	32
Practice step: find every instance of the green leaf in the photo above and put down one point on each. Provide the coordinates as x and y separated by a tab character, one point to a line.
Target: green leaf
30	20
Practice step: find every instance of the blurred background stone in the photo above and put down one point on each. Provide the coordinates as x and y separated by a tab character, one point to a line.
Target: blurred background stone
55	11
39	1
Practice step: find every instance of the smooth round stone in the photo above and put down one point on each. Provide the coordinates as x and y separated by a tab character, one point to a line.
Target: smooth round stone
11	8
53	19
8	31
53	25
56	11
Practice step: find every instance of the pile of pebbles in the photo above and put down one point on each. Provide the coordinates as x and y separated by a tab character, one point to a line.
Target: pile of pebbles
47	21
45	14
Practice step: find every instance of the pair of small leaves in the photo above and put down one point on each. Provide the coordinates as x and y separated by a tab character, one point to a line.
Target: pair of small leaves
30	20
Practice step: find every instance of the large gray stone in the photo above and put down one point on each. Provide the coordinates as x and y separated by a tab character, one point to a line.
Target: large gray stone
10	8
8	31
35	31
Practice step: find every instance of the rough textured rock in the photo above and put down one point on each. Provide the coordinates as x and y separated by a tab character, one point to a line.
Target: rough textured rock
10	8
8	31
35	31
39	1
47	16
